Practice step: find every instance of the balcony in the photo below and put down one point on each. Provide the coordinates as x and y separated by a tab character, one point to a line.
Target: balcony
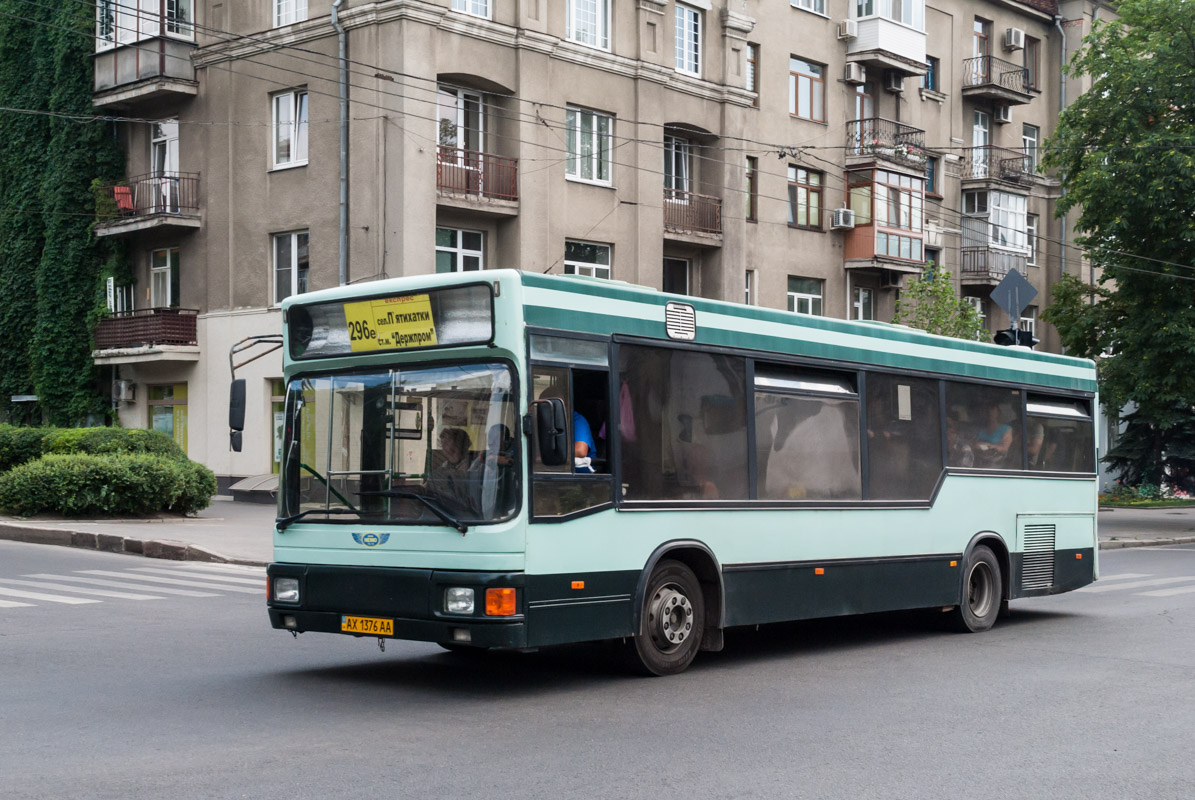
158	200
987	266
991	78
884	43
479	181
690	217
148	334
143	72
990	163
872	140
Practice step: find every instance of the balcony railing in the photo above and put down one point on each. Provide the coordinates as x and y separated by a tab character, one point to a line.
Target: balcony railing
885	138
145	195
147	326
990	263
468	172
1000	163
996	72
686	212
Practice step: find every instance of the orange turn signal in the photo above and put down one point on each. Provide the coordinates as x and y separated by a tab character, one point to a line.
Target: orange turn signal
1078	556
819	571
954	563
578	584
499	602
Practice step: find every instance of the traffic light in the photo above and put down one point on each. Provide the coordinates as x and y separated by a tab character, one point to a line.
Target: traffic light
1023	338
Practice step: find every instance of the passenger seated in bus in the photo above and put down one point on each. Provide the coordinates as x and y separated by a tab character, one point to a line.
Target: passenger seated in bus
1037	436
958	452
583	446
993	438
450	478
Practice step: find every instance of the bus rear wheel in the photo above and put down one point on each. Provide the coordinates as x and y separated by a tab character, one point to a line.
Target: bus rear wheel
673	621
981	601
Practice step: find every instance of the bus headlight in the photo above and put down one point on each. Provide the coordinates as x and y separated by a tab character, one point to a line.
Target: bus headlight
458	601
286	590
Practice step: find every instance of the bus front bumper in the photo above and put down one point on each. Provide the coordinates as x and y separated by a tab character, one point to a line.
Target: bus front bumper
334	599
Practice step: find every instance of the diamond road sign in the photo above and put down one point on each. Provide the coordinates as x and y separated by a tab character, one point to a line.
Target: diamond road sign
1013	293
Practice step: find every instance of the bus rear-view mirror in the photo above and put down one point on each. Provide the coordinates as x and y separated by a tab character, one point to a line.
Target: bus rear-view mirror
551	432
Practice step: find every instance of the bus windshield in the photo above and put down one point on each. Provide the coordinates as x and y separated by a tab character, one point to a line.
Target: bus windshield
432	445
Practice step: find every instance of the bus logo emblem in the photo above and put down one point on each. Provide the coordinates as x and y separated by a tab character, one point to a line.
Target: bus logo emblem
371	539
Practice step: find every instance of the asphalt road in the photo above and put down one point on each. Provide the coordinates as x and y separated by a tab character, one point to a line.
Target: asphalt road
1090	694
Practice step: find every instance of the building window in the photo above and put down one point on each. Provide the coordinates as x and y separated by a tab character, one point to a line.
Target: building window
863	304
1007	221
931	174
805	295
287	12
1028	320
933	256
816	6
981	308
180	16
459	251
749	287
676	275
290	264
688	40
753	71
587	258
804	198
477	8
168	411
589	135
893	203
1030	135
1031	222
290	128
806	90
906	12
164	278
930	79
1032	61
678	165
752	189
459	120
278	417
589	22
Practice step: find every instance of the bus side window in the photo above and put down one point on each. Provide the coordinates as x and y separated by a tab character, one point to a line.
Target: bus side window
904	446
583	481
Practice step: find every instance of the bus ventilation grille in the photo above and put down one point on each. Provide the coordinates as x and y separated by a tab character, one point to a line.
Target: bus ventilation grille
1037	566
680	321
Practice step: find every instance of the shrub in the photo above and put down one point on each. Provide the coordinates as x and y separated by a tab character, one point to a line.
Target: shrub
102	441
18	445
75	485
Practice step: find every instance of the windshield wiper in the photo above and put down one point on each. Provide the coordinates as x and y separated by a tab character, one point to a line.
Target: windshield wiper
435	507
284	522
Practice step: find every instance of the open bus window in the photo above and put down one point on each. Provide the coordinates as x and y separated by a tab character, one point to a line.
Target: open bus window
1060	434
583	482
904	439
983	426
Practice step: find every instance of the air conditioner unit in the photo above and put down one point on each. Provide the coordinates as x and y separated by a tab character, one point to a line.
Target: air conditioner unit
854	73
894	81
124	391
848	29
893	279
842	219
1003	114
1014	39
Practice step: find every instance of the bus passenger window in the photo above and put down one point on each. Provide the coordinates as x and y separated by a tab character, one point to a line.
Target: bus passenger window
904	440
583	481
987	423
1061	434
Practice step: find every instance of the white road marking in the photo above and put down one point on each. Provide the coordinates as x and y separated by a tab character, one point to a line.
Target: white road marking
50	598
179	572
62	587
171	581
235	569
1116	587
1123	576
119	585
13	604
1169	592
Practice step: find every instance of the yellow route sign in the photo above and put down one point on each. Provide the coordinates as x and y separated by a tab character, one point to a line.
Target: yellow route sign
389	323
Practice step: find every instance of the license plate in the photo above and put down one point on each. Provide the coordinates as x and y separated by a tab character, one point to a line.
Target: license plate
370	625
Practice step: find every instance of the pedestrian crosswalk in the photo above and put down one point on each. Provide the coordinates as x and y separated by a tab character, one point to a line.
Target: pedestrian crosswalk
1129	581
136	584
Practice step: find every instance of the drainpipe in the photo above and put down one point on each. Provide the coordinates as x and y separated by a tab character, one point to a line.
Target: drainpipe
1061	108
344	144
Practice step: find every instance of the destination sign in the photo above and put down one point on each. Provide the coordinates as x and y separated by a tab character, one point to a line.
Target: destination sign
390	323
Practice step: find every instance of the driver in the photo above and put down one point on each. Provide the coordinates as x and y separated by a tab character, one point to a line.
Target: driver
451	480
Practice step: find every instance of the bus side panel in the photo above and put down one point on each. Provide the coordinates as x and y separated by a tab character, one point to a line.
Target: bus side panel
580	606
778	592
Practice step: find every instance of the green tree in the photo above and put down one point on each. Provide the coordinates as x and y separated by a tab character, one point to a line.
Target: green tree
1126	153
929	303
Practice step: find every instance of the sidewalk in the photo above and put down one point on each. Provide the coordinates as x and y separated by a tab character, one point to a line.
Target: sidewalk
242	533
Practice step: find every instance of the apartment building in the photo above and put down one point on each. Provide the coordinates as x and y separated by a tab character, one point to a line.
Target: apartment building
810	155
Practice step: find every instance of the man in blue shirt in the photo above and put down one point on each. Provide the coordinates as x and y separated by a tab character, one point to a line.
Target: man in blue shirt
583	445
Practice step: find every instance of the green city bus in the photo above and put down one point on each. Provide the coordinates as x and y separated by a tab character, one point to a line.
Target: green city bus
502	459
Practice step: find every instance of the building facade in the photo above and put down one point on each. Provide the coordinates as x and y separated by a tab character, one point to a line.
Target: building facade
812	155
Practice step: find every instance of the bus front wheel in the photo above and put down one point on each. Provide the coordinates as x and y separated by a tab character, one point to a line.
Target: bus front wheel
673	621
981	600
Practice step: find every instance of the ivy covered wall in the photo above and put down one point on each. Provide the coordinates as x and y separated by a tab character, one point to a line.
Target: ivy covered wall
50	263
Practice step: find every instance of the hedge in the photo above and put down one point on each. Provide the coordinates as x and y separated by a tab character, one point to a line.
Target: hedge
19	445
74	485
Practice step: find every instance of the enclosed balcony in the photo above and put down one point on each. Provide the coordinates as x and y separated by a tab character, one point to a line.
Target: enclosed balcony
157	200
991	78
692	217
991	163
987	265
143	55
482	181
871	140
888	34
147	334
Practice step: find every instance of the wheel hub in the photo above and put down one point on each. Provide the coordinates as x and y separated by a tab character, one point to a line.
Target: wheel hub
669	618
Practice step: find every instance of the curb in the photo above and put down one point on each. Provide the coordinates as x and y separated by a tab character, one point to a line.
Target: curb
111	543
1120	544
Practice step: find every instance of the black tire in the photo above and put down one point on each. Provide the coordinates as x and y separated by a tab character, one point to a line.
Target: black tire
982	592
673	621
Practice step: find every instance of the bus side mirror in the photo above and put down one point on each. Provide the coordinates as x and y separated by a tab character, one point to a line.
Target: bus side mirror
551	432
236	412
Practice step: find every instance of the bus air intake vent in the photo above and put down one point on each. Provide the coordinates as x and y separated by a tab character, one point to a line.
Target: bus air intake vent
680	321
1037	566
